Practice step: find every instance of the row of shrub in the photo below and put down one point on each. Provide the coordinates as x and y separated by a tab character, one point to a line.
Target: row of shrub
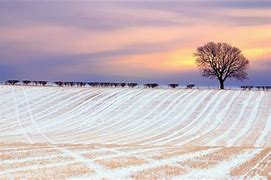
92	84
256	87
26	82
110	84
95	84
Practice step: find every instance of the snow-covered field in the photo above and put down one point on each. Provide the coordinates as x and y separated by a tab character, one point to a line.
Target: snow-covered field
121	133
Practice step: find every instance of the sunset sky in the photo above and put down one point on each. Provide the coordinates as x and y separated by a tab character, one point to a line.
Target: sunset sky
129	40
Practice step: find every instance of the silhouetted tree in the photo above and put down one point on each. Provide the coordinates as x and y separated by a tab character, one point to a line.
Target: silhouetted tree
221	61
43	83
151	85
12	82
59	83
26	82
132	85
190	86
122	84
35	82
93	84
173	85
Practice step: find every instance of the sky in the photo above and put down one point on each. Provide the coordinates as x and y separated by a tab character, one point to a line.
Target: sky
129	41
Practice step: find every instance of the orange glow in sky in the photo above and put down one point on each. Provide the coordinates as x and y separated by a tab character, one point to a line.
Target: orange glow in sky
127	40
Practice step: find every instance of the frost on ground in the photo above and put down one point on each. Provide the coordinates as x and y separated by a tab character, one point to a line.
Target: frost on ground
134	133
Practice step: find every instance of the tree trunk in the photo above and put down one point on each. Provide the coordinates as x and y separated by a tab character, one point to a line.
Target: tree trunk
221	84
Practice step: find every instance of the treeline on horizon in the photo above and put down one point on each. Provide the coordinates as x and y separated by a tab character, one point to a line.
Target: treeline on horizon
92	84
112	84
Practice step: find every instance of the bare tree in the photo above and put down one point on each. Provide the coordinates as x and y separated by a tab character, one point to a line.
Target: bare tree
173	85
221	61
59	83
43	83
26	82
132	85
151	85
12	82
190	86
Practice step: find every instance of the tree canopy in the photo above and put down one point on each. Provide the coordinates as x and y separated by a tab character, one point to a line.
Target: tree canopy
221	61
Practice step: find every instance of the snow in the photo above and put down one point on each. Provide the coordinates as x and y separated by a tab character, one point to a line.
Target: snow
136	124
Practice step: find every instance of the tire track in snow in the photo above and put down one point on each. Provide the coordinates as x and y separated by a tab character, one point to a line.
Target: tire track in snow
98	112
91	165
45	125
56	109
222	170
85	128
29	140
11	124
126	172
70	125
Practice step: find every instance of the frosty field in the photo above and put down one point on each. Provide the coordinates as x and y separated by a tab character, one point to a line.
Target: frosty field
134	133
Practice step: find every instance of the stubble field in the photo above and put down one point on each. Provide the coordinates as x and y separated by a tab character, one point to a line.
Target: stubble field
134	133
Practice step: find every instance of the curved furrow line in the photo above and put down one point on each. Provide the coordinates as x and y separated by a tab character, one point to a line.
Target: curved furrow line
249	123
215	119
85	126
42	100
146	124
246	116
229	119
106	114
91	165
182	116
193	127
62	104
12	124
264	134
36	99
121	119
209	133
185	125
75	130
127	126
100	127
229	130
257	129
165	120
48	106
56	132
96	111
6	106
45	125
43	113
83	107
93	134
